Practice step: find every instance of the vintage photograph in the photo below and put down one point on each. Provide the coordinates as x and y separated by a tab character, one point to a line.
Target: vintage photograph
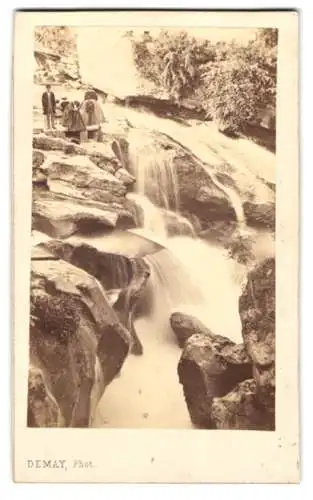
152	277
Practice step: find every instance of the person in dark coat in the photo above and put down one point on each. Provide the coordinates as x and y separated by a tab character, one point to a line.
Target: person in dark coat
48	107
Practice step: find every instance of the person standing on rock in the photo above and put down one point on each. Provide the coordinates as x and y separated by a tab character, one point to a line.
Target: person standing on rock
48	107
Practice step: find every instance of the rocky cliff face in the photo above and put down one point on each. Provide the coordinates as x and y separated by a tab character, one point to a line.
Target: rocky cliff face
82	298
73	330
56	57
258	314
209	192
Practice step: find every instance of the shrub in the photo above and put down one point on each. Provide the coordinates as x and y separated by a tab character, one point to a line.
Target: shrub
233	83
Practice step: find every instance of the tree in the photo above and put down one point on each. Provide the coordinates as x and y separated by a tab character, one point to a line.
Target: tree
234	83
59	39
172	61
269	36
239	86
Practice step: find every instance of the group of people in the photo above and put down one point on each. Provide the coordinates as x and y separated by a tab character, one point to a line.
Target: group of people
79	119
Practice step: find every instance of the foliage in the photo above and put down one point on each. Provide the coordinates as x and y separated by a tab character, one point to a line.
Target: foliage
269	36
172	61
59	39
238	87
234	83
55	316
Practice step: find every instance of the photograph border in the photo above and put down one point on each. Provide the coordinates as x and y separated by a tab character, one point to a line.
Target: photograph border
172	451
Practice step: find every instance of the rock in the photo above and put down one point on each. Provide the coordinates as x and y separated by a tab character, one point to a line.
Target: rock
72	329
38	158
43	411
125	177
39	179
129	300
260	214
59	218
100	153
257	312
83	174
207	193
240	410
39	253
177	224
213	189
49	143
39	176
122	208
210	366
119	275
184	326
198	194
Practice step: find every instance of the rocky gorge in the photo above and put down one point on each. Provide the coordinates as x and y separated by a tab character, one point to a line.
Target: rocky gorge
109	222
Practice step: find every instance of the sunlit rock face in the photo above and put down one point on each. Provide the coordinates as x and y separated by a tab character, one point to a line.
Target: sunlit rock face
106	60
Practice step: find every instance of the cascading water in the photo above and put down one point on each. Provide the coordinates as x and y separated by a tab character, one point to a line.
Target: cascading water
154	171
189	274
149	217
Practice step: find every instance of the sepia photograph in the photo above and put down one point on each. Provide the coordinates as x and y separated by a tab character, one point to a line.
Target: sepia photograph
154	230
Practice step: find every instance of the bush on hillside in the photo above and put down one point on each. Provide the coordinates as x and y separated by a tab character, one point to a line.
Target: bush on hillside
59	39
232	82
173	61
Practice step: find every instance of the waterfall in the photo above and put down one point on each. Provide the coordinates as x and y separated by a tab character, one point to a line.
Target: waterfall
154	171
188	275
149	216
158	223
193	277
152	166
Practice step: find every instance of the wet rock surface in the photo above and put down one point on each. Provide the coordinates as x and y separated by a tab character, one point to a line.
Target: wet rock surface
210	366
122	278
257	311
240	410
203	186
43	410
184	326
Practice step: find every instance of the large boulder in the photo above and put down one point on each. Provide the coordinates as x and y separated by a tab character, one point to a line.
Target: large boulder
39	176
38	158
78	195
184	326
79	171
241	410
61	216
43	410
260	214
100	153
210	366
76	340
123	278
47	142
210	186
257	312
